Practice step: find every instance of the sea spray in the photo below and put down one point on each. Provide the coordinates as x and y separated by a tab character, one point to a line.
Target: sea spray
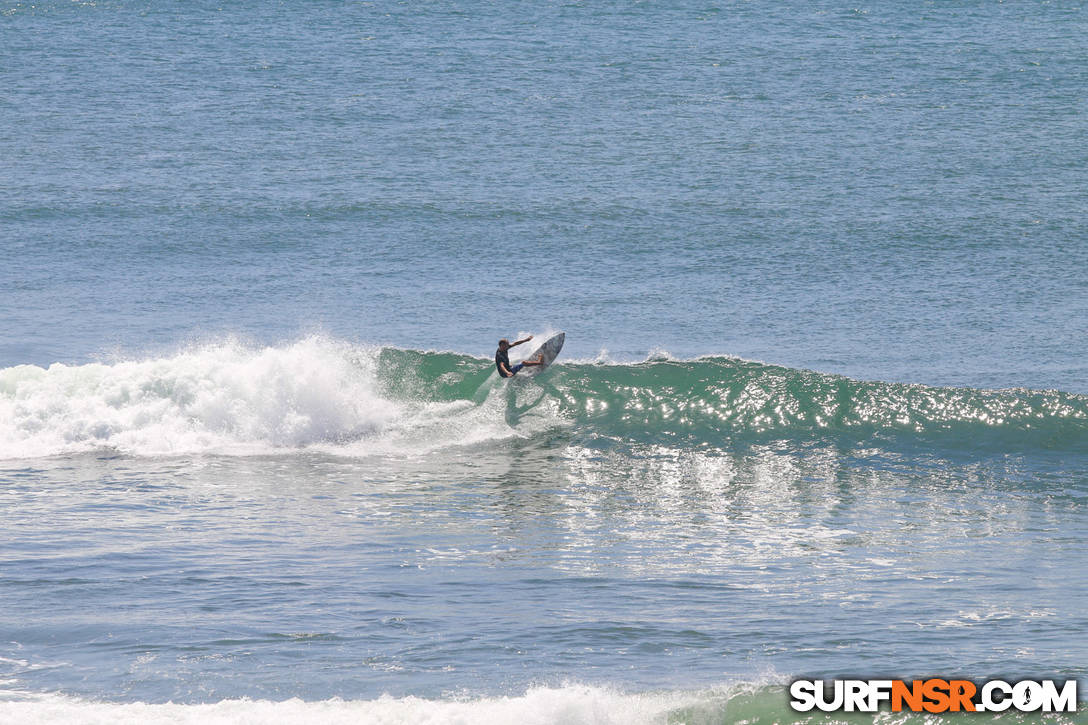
221	397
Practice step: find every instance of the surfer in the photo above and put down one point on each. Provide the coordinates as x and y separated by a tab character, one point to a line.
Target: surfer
502	358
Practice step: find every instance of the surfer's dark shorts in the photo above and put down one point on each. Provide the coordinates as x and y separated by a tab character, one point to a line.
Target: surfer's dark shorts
514	370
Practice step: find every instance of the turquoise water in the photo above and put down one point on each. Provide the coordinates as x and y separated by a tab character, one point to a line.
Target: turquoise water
822	409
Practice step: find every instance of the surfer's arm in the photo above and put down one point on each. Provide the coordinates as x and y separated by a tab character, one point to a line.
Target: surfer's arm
530	337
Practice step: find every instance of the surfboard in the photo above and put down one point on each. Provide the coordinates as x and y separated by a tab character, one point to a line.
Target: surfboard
548	352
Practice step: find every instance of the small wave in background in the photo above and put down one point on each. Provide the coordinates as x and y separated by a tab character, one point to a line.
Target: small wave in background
569	704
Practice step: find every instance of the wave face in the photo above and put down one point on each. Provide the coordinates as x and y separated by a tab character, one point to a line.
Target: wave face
330	395
713	400
717	401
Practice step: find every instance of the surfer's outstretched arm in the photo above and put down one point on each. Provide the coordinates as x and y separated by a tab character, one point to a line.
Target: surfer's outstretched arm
502	360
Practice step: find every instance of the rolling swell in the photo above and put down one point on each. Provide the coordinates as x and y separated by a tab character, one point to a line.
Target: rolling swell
713	400
349	399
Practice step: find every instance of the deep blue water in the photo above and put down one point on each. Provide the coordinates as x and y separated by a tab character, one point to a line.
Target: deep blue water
239	229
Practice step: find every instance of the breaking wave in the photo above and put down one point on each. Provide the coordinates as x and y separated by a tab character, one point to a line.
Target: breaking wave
325	394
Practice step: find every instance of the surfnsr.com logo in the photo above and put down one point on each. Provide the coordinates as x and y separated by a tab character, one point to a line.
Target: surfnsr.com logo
933	695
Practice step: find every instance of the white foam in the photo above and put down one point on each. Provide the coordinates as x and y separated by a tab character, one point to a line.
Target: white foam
229	398
568	705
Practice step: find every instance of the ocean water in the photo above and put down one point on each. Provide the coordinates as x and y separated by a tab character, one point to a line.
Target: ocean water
822	411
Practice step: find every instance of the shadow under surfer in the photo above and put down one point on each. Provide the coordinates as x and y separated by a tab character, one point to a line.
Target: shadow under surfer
502	358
